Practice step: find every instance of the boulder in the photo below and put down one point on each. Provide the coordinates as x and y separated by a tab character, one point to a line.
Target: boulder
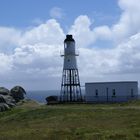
17	93
52	100
2	100
4	91
10	101
6	101
4	107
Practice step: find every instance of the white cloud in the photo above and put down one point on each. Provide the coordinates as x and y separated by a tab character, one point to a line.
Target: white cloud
85	35
8	39
82	32
129	23
56	13
103	33
40	48
123	59
34	53
130	55
6	63
49	33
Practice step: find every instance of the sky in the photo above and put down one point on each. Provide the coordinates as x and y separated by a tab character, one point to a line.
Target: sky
107	35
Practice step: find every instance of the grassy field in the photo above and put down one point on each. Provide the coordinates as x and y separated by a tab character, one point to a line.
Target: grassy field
31	121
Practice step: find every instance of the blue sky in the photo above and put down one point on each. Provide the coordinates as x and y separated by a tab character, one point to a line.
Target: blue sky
107	35
22	13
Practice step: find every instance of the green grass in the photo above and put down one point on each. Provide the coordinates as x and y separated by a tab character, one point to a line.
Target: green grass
31	121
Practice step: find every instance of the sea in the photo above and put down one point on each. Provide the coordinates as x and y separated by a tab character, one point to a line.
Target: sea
41	95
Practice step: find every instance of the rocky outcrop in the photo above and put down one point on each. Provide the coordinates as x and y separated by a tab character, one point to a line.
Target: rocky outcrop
5	103
4	91
4	107
17	93
8	99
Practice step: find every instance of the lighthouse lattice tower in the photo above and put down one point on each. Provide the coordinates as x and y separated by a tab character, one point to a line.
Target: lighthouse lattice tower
70	86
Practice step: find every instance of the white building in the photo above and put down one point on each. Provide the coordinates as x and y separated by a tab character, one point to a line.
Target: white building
111	91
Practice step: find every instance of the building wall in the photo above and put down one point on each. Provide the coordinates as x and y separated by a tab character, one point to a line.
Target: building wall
111	91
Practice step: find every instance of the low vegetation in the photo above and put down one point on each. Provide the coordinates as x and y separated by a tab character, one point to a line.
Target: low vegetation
30	120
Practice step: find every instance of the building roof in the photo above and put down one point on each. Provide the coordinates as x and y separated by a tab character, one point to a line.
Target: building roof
113	82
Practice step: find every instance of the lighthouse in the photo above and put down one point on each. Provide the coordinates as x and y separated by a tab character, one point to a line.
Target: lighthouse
70	86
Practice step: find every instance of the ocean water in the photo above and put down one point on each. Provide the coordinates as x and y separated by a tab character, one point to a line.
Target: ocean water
41	95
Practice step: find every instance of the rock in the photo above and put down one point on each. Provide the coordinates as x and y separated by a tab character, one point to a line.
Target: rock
2	100
52	100
4	91
10	101
7	101
8	98
4	107
17	93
